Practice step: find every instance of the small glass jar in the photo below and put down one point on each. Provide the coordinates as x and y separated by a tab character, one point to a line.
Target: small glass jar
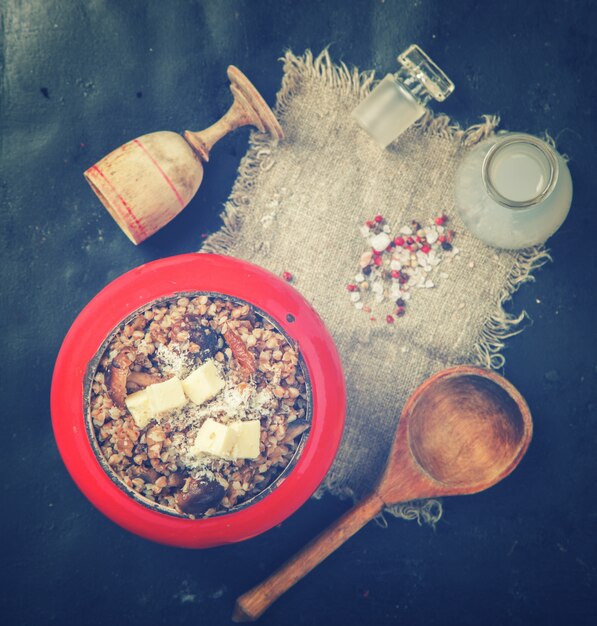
400	99
513	191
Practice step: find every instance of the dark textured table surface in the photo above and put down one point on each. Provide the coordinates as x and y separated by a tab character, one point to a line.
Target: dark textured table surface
80	78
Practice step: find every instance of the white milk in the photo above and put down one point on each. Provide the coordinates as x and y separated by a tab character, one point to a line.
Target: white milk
513	191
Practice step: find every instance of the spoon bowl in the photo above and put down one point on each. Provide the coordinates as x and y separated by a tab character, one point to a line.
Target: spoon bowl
462	431
482	432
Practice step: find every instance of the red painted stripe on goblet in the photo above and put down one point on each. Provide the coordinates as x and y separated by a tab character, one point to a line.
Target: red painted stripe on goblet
166	178
136	222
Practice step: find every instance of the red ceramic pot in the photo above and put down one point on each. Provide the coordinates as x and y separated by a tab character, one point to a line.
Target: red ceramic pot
165	278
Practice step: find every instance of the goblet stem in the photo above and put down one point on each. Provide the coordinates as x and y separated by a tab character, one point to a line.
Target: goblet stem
202	142
248	108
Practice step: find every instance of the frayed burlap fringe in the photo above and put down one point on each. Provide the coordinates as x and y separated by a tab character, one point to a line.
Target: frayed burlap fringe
498	327
501	325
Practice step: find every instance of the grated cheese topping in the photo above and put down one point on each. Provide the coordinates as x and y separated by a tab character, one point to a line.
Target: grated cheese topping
236	402
174	361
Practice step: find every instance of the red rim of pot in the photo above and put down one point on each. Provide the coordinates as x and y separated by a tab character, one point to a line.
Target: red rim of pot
164	278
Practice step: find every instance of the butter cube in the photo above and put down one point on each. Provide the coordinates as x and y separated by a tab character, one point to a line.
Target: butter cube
167	396
204	383
139	407
215	439
248	437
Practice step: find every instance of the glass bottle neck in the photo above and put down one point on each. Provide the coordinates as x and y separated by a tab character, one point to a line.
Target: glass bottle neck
520	171
413	85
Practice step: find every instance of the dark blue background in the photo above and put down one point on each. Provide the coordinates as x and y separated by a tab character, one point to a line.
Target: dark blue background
81	77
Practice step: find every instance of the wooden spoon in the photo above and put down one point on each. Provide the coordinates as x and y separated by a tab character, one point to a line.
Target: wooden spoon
462	431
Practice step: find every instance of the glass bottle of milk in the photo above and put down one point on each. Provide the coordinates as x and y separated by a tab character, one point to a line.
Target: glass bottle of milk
399	100
513	191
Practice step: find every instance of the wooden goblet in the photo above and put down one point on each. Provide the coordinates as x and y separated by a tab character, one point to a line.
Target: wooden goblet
148	181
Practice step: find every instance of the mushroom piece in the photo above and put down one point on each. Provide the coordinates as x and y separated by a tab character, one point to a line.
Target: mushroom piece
175	480
118	374
200	495
208	340
148	474
296	428
140	380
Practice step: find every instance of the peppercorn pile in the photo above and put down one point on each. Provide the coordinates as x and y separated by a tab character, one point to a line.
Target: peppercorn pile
394	265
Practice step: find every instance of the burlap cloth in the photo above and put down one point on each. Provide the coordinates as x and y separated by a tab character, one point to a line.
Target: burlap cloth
298	206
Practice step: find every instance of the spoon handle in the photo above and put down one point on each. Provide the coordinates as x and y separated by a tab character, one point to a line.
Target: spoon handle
255	602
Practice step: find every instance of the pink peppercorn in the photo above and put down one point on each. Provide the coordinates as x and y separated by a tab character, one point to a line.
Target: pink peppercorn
377	260
395	274
426	248
410	241
399	241
351	287
419	239
378	219
441	220
369	224
442	238
390	319
400	311
287	276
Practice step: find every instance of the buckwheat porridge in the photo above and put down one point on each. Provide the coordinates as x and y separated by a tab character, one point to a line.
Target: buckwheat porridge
198	404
